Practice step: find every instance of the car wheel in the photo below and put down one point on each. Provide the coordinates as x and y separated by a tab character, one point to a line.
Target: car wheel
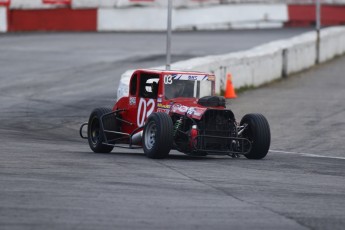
258	133
95	133
158	135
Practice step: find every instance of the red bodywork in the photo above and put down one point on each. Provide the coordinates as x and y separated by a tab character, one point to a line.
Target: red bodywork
136	109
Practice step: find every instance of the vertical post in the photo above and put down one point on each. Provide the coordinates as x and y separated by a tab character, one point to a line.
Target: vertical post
318	28
168	51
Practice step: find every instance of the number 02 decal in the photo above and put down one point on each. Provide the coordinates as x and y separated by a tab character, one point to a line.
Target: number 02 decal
144	110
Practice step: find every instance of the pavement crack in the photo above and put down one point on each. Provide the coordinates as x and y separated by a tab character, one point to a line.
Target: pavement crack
226	193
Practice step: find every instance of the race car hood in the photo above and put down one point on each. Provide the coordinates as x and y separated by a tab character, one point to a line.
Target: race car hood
189	107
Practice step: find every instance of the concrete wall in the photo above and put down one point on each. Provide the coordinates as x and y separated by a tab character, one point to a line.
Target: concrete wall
332	43
214	17
300	53
36	15
188	3
3	19
138	15
264	63
31	4
131	19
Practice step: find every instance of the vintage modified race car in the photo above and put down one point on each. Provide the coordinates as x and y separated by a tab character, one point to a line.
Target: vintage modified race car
176	110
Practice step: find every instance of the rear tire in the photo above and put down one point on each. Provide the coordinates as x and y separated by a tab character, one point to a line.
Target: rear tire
258	132
95	133
158	135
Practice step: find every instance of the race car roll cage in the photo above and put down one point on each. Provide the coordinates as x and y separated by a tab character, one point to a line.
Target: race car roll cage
104	131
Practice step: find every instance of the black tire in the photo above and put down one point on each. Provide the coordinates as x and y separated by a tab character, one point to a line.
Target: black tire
95	133
158	135
258	132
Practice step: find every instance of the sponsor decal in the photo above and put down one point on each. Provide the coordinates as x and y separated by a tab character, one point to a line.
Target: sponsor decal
190	111
164	106
159	99
183	109
193	112
211	78
163	110
175	107
168	79
178	107
198	112
132	101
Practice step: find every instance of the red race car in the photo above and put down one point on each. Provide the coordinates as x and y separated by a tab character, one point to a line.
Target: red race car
168	110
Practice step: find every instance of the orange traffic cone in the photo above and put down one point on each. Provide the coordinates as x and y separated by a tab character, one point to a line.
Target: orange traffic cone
229	90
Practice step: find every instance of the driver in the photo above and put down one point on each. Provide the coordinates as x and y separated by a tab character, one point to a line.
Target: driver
174	90
154	87
180	88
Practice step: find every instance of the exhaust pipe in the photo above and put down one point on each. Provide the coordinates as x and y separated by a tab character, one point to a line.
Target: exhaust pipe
136	138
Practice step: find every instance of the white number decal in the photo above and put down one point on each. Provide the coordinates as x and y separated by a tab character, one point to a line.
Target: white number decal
144	110
168	79
151	103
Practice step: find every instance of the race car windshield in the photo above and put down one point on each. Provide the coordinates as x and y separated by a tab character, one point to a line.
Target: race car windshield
179	85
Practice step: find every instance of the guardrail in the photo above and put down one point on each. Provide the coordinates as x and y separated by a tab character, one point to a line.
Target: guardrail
262	64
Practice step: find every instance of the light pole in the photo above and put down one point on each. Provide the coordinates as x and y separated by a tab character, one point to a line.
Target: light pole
168	51
318	28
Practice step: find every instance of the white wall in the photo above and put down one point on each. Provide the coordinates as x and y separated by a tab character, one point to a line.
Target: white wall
179	4
3	19
300	51
229	14
264	63
214	17
29	4
131	19
109	3
332	43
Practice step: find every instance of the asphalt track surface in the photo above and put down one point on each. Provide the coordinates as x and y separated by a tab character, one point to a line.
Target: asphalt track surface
49	178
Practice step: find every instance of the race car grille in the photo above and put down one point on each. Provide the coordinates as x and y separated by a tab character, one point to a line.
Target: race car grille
216	130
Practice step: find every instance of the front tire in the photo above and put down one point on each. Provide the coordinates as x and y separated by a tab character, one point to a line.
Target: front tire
95	133
258	132
158	135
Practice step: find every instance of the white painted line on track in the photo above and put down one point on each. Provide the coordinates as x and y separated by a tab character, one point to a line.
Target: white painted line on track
307	154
